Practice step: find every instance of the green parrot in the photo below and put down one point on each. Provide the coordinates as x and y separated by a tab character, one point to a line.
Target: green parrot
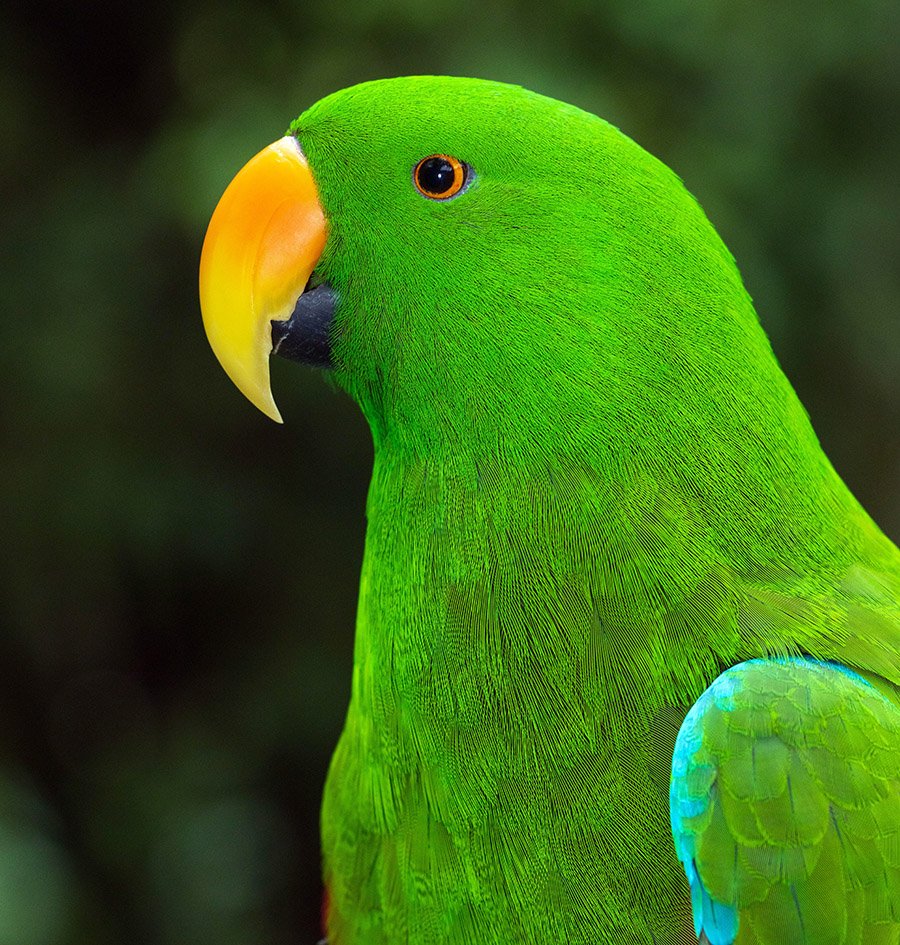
627	658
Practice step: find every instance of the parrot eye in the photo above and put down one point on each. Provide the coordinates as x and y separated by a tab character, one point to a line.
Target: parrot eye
440	176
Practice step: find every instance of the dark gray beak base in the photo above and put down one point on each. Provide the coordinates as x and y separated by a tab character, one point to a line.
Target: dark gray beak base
306	335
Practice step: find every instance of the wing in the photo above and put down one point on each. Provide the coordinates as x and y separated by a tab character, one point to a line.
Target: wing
785	807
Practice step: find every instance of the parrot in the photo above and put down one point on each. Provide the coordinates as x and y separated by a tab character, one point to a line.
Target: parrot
626	663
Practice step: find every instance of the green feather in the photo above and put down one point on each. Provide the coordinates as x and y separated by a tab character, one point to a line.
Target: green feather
593	490
818	867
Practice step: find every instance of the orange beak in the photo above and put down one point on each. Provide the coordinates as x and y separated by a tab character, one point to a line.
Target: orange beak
263	242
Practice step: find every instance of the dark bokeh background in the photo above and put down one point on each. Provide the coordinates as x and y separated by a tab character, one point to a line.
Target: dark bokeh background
178	580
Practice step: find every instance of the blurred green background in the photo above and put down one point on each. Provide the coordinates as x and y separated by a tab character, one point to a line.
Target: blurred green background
178	583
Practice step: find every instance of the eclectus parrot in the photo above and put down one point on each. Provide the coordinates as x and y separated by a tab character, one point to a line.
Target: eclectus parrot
627	661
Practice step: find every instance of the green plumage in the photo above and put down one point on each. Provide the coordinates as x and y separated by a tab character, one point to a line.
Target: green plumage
593	491
786	800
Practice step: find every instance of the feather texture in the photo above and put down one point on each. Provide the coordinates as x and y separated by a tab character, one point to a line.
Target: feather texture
785	806
593	491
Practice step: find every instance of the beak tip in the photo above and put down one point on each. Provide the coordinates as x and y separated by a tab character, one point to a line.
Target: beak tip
260	395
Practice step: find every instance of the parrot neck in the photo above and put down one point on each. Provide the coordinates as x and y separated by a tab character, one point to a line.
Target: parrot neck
543	589
515	615
656	509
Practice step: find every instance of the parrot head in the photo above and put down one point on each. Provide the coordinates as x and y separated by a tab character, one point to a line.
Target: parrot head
478	264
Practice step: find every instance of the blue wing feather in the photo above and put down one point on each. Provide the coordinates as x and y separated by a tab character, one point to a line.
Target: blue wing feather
784	803
689	800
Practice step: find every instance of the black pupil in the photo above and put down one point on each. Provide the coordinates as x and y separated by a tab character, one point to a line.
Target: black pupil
435	175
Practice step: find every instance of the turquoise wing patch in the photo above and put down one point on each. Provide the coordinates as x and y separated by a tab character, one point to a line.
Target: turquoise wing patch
785	807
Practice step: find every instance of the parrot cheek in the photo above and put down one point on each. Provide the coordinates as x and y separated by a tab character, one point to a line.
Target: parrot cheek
306	336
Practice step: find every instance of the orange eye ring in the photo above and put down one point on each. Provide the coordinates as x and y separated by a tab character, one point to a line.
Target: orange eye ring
440	176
